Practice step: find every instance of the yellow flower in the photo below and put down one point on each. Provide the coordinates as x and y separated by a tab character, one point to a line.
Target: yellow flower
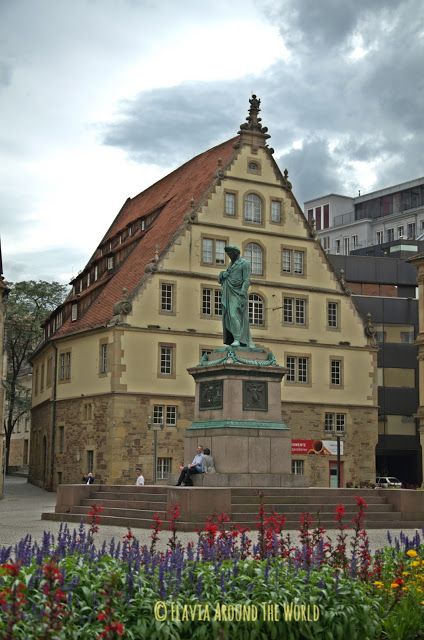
405	573
415	563
394	585
411	553
378	584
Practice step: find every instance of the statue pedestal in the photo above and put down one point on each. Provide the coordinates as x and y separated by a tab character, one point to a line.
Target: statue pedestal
238	416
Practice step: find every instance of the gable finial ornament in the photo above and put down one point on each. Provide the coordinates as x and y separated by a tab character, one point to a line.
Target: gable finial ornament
121	308
370	330
286	179
253	121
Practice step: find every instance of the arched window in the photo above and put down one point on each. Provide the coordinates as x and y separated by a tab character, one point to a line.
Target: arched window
253	209
256	310
254	254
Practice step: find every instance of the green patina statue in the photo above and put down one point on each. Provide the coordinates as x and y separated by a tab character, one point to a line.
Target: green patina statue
235	283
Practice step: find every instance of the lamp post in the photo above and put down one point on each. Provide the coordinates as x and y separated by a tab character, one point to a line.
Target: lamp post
158	426
338	437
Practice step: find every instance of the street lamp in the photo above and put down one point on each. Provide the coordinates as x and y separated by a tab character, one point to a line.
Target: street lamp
338	437
157	426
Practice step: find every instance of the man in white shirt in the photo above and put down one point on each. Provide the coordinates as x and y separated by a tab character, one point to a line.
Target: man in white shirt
195	467
140	478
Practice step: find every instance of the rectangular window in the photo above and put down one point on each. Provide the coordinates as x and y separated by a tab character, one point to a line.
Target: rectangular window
163	468
74	312
96	272
390	235
171	416
294	311
90	461
335	422
110	263
275	211
400	232
326	214
336	372
65	366
166	364
380	336
405	337
103	368
42	378
158	414
298	369
213	251
379	237
346	246
337	247
298	467
230	204
211	302
333	315
317	218
411	230
354	242
167	297
293	261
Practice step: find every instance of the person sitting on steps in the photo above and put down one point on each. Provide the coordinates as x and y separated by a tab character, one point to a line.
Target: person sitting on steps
195	467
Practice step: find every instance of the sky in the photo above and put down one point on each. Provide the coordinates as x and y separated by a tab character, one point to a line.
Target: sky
101	98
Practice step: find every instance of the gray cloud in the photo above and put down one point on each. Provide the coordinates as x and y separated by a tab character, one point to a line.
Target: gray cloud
368	109
20	266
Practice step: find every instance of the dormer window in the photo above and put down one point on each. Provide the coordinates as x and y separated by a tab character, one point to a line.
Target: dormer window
143	225
74	312
80	285
96	272
130	230
110	263
88	279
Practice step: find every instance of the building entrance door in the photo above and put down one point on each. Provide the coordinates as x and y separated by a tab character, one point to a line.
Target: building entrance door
333	473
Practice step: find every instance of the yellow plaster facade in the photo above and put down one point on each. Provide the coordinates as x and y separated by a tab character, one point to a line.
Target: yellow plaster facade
125	394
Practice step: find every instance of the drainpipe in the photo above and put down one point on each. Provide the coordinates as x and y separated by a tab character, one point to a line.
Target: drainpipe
53	440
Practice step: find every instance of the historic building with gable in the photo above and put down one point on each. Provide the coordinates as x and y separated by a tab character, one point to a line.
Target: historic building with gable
113	363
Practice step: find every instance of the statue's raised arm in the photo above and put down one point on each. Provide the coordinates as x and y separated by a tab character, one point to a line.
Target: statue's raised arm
235	283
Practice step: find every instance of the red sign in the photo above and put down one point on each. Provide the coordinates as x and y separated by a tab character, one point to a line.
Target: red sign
319	447
301	446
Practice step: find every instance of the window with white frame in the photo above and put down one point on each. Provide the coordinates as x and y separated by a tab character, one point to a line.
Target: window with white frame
230	203
379	237
298	369
401	231
74	312
256	310
65	366
336	372
166	363
171	415
213	251
110	263
253	252
335	422
390	234
211	301
346	246
166	297
96	272
276	211
337	246
294	310
298	467
163	468
293	261
158	414
354	241
410	229
333	315
253	209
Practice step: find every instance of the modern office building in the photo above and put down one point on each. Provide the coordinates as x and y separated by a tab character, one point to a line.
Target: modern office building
344	224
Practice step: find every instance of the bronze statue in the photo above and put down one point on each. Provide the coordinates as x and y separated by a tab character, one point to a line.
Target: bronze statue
235	283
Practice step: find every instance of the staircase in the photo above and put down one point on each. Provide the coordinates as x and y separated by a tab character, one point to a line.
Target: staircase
131	506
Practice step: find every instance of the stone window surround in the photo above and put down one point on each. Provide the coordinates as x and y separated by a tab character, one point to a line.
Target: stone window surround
164	414
213	289
337	303
263	249
264	325
173	285
334	415
212	237
294	323
292	249
173	347
297	356
103	372
66	378
340	359
234	193
281	201
263	209
258	170
298	466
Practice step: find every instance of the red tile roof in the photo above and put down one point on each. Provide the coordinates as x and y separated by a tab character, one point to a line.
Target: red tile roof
174	193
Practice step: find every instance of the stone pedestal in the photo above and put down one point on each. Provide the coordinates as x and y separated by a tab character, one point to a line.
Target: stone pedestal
238	416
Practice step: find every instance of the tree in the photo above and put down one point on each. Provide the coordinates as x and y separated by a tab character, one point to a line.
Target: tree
28	305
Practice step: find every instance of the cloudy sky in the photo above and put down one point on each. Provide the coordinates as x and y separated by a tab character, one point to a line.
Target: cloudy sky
100	98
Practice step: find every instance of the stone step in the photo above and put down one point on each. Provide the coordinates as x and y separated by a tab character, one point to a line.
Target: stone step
129	488
126	504
321	515
282	498
99	496
121	512
311	507
140	523
301	491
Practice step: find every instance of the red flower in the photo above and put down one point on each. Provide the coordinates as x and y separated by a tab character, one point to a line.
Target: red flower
12	568
101	615
360	502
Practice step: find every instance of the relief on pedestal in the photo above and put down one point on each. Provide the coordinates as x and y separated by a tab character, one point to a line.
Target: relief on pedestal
210	395
255	395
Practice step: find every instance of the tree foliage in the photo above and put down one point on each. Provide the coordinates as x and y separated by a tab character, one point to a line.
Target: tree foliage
28	305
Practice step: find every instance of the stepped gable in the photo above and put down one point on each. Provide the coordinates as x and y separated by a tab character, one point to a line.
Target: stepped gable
173	194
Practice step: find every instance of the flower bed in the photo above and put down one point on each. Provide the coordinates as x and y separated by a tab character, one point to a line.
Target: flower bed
225	586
